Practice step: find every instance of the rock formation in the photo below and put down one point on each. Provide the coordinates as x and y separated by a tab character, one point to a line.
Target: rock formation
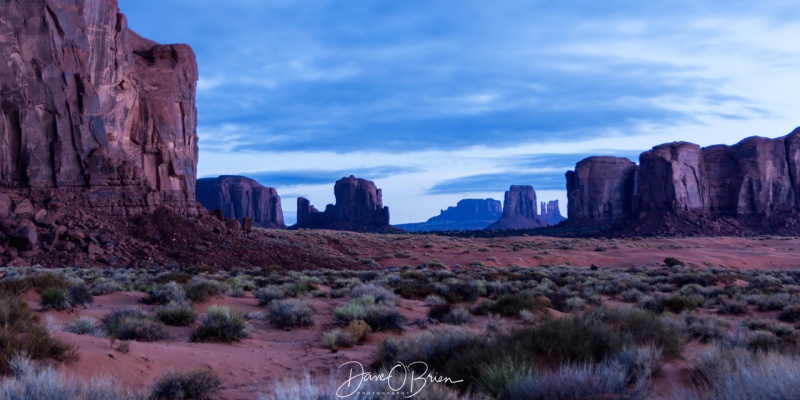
240	198
519	210
600	190
93	114
359	207
468	214
550	212
755	178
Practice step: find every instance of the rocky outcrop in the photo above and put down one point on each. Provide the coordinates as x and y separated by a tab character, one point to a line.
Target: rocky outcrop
468	214
92	113
519	210
750	180
551	213
359	207
240	198
601	190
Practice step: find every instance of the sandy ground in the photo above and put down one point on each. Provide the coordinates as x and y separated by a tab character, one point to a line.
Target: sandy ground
249	366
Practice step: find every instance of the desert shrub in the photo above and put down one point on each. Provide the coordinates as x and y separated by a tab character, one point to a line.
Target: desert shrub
439	311
705	328
731	306
359	330
55	298
222	325
133	325
790	313
495	378
337	338
170	292
457	316
640	362
509	305
84	326
21	331
32	382
415	289
738	374
434	300
46	280
464	291
176	314
381	318
380	294
172	276
678	304
199	384
349	312
434	347
79	295
268	294
201	290
575	303
631	295
769	302
291	313
367	276
673	262
106	287
576	382
528	317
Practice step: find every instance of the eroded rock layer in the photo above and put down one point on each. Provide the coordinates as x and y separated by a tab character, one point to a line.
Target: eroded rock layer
359	207
749	181
93	113
239	197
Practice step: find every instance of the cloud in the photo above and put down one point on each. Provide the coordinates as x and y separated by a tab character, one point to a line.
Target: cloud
284	178
500	182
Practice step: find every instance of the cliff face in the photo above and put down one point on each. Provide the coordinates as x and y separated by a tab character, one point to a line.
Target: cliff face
753	178
468	214
601	189
240	197
519	210
92	112
359	207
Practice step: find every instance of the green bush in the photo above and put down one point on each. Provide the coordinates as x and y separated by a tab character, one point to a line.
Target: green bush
291	313
133	325
21	331
673	262
509	305
176	314
186	385
269	294
221	324
83	326
790	313
55	298
201	290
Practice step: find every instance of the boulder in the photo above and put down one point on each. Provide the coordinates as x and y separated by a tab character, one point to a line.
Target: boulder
5	205
25	235
239	197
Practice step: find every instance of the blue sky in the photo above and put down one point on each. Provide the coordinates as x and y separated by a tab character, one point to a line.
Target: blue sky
442	100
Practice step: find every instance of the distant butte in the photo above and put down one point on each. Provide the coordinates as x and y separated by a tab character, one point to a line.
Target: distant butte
359	207
681	188
239	197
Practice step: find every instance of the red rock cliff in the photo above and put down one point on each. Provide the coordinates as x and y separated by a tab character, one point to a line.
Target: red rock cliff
92	112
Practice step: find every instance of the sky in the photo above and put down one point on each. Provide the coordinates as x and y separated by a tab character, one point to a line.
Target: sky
439	100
